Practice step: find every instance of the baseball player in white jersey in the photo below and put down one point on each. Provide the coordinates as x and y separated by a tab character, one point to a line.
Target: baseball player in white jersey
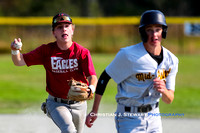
144	73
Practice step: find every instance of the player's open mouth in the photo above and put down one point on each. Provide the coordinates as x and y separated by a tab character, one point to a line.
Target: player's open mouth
154	39
64	35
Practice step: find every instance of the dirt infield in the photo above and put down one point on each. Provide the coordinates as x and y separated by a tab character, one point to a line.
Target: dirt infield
39	123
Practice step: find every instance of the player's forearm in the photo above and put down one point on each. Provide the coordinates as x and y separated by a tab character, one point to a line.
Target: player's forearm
168	96
92	82
96	104
101	86
18	59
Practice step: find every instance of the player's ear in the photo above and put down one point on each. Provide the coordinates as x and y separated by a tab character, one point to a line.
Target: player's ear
53	33
73	28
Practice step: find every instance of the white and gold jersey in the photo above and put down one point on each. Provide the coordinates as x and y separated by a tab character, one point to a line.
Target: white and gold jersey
133	69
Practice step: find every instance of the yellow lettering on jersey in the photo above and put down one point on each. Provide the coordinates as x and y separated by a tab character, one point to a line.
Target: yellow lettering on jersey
140	76
144	76
162	74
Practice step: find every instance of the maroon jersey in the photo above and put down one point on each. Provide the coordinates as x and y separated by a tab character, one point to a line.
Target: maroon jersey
61	66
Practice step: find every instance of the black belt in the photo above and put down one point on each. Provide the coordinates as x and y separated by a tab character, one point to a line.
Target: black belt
141	109
66	101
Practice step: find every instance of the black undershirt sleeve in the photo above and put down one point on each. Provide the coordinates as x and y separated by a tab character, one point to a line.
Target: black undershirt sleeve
102	83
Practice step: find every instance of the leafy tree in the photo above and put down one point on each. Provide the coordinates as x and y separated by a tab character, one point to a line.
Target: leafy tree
97	7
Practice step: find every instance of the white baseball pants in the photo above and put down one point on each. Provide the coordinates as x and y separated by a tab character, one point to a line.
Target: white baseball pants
138	122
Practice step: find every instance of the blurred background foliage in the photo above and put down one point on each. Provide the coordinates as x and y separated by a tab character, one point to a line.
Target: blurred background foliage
94	8
97	38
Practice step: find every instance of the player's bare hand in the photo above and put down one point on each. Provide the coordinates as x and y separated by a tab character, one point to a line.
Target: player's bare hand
91	117
16	44
159	85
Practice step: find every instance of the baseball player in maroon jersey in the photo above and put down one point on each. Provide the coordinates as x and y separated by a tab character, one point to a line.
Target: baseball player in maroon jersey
63	59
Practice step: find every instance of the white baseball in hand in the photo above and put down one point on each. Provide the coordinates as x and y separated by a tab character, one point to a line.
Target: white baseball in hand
18	45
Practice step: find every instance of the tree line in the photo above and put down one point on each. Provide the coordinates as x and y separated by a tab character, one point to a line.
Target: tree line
96	8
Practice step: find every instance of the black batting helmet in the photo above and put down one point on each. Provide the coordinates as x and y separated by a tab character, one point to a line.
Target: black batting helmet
152	17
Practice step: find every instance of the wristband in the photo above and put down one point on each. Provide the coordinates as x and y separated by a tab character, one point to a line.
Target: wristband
14	52
92	88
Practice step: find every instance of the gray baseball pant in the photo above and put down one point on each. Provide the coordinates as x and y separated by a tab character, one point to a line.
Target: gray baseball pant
69	118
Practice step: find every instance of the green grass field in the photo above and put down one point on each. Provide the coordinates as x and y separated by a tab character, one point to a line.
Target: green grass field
22	89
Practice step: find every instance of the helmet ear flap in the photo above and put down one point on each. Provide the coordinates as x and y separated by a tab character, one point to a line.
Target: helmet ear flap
164	33
143	34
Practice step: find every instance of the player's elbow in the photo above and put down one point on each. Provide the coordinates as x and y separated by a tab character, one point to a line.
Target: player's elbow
18	63
168	96
168	100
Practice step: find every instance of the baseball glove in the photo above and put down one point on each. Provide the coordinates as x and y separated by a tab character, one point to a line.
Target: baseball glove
78	91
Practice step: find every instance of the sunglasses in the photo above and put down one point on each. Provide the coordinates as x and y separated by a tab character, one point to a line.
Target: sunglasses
62	18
